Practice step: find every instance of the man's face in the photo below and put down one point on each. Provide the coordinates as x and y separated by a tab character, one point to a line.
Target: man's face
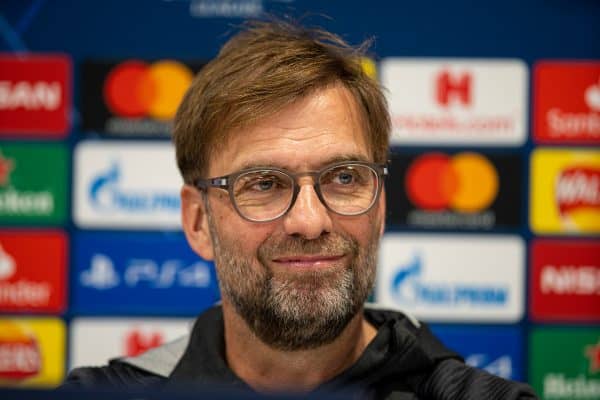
297	281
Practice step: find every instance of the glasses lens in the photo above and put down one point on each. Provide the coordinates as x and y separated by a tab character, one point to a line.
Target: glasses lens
263	195
349	189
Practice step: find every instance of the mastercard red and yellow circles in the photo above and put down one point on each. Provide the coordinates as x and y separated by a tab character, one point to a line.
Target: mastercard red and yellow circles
136	89
465	182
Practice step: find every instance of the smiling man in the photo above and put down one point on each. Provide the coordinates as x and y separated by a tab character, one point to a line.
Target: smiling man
282	142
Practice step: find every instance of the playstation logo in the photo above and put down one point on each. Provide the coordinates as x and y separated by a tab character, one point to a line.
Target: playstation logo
101	274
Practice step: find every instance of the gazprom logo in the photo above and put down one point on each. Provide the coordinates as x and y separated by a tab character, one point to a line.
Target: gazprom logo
107	194
409	286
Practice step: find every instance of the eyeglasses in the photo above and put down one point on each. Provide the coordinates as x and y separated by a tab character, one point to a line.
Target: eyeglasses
265	194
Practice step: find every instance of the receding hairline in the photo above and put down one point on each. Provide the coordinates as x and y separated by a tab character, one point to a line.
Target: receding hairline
355	111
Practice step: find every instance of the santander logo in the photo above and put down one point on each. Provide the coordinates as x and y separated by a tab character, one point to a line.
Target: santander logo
567	101
592	96
7	264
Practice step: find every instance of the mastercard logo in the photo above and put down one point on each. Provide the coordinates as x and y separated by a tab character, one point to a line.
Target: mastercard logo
465	182
136	89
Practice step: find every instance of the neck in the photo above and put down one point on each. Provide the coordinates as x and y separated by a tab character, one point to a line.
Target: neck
266	369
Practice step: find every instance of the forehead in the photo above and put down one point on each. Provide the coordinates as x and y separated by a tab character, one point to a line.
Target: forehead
323	127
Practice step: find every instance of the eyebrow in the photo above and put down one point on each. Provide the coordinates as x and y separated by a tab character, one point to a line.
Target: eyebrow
331	160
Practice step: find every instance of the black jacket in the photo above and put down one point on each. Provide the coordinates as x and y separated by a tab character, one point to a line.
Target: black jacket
404	361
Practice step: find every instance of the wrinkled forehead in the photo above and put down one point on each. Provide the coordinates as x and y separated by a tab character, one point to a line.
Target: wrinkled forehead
327	124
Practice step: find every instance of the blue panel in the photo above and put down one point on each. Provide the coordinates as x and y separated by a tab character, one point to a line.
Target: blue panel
498	350
139	273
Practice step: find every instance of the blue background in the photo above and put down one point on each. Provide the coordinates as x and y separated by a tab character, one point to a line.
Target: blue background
143	298
153	29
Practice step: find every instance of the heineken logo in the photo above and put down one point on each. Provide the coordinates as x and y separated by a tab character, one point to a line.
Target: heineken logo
573	372
559	386
33	183
17	202
6	166
592	352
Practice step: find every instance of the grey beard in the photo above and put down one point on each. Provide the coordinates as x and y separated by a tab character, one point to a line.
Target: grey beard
296	311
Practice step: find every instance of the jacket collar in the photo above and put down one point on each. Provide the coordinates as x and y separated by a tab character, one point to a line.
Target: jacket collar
401	347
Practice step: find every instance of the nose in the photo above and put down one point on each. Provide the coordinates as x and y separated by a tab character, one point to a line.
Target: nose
308	217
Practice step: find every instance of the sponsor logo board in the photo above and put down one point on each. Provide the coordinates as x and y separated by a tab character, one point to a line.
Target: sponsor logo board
564	363
567	102
133	97
498	350
32	352
33	271
156	273
96	340
464	190
453	278
33	183
565	191
565	280
35	95
454	101
126	185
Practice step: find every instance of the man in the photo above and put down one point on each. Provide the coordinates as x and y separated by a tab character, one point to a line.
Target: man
282	142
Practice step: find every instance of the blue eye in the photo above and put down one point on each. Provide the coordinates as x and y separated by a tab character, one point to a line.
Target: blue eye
344	178
264	184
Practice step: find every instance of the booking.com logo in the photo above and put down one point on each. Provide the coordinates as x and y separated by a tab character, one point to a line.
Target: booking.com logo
465	182
136	89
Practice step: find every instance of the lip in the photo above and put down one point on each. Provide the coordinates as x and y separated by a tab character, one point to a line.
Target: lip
308	261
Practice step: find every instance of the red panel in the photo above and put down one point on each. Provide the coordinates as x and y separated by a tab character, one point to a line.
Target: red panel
565	280
35	95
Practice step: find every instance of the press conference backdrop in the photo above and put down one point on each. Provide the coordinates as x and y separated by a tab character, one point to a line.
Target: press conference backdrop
493	195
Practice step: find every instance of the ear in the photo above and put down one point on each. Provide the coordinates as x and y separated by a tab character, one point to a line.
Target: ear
194	219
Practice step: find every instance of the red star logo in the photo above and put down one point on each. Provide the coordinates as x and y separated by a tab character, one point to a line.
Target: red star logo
593	353
6	167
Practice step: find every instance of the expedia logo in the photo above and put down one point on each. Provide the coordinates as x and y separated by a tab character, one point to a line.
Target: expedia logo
20	356
137	89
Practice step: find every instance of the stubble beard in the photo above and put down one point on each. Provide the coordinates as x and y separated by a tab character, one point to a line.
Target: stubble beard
296	310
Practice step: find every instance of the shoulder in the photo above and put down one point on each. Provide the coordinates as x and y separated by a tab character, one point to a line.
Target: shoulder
452	379
115	375
443	375
146	370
